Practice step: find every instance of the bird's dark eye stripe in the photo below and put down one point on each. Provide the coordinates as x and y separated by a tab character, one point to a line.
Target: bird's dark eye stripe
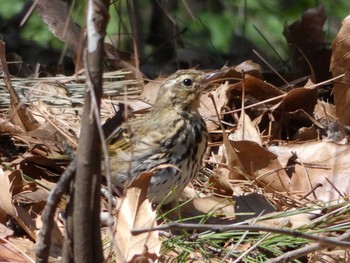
187	82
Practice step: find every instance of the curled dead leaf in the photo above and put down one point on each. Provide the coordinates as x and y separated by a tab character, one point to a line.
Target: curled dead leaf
259	164
246	131
27	216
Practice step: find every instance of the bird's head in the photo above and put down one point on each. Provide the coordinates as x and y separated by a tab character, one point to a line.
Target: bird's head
182	90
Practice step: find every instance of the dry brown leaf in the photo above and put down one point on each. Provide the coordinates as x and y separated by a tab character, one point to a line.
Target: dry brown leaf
24	202
139	106
150	90
259	164
207	109
216	206
242	247
232	160
258	88
306	42
4	231
329	255
306	133
298	98
246	131
61	111
188	193
249	67
48	139
26	215
293	221
324	110
17	250
307	127
293	112
220	210
220	181
42	169
340	64
9	128
316	162
135	212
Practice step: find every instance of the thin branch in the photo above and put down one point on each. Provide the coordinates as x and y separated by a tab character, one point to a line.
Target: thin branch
283	95
20	114
289	256
44	236
224	228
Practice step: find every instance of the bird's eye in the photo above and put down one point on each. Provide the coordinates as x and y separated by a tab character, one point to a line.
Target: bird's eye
187	82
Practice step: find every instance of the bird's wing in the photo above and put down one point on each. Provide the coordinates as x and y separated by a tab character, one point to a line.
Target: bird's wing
137	135
119	140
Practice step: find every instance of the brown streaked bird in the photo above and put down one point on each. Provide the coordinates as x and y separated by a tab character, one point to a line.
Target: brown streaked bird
173	134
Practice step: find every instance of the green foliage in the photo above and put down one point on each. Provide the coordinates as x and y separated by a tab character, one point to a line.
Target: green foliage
35	30
209	25
9	8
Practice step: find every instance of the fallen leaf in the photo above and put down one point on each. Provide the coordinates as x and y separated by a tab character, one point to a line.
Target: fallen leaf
135	212
150	90
4	231
306	41
215	210
220	181
258	88
207	109
26	215
249	67
260	165
246	131
292	221
320	166
215	206
340	63
324	110
8	127
298	98
13	250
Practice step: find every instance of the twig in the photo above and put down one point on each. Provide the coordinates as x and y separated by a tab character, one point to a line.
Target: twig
44	236
271	46
62	186
46	115
242	239
283	95
270	66
211	96
297	253
223	228
20	113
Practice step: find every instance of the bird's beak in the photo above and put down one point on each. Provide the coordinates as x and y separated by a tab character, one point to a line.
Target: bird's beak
213	76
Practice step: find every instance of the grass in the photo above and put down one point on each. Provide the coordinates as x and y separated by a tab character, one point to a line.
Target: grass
252	246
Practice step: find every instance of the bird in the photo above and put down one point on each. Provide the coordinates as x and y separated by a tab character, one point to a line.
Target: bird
171	138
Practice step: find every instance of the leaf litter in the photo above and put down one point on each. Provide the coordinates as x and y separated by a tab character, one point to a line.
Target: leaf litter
281	160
